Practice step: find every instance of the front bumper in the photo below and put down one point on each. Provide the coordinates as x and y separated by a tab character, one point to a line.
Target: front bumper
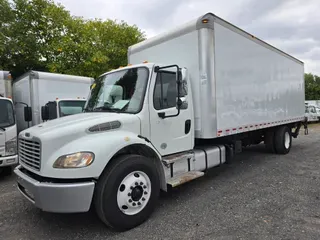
8	161
55	197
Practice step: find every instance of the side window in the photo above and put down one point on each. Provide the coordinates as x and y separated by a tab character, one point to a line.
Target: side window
165	92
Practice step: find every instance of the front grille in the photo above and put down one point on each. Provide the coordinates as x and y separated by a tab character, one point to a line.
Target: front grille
30	153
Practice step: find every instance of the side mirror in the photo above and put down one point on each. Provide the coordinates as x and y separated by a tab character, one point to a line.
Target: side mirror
183	104
45	113
27	114
183	75
52	110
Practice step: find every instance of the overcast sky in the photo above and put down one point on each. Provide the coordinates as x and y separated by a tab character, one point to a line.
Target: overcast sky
291	25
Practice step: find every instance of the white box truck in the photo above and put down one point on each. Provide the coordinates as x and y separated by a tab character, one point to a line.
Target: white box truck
208	90
8	128
42	96
312	112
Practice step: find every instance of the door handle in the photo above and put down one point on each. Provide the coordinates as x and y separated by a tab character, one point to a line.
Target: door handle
187	126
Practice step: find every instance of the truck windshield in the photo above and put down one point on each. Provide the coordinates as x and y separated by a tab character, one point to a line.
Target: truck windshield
70	107
121	91
7	114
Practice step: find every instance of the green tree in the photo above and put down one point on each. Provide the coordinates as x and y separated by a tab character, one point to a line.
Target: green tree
312	86
92	47
34	24
6	18
42	35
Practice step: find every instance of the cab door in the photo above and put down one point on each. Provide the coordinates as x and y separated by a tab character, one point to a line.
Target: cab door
171	130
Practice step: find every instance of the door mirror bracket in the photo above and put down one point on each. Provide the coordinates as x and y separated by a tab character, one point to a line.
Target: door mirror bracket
179	82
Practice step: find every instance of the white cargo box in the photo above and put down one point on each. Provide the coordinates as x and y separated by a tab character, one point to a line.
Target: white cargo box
239	83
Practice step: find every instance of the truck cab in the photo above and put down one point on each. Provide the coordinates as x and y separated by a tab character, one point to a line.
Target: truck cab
131	109
312	113
8	135
62	107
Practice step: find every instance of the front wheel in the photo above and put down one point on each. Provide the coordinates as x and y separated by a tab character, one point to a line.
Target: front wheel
127	192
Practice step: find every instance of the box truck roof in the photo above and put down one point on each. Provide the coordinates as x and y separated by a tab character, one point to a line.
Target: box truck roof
53	76
204	21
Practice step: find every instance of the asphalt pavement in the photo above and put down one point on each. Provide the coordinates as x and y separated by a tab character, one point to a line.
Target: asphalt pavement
259	196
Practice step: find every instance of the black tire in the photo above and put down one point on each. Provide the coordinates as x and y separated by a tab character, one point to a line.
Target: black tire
6	171
105	198
283	140
269	141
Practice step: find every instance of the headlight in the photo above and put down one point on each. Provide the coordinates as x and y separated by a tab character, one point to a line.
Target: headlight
74	160
11	147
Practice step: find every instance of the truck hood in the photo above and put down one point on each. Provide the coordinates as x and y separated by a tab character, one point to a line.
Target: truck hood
75	126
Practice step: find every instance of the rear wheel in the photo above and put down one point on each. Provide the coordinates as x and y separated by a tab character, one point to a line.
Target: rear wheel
269	141
127	192
283	140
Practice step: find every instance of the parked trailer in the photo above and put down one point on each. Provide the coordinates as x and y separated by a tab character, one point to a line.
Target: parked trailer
38	94
208	90
8	128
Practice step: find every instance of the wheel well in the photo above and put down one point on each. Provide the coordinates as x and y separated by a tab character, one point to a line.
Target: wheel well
145	151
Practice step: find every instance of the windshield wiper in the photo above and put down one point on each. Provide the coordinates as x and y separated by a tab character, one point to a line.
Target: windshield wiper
3	129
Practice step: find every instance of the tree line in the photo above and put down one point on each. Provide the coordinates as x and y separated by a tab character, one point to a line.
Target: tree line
312	86
42	35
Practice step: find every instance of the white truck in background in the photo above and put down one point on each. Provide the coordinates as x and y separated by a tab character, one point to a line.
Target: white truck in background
62	107
41	96
312	112
315	103
208	90
8	128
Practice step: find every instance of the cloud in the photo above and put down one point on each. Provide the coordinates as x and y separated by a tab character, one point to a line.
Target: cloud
254	10
296	45
291	25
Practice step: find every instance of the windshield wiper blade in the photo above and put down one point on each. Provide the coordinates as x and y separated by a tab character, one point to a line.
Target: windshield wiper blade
3	129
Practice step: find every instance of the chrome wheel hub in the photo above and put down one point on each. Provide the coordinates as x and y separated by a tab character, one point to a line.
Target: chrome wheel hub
134	193
287	140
